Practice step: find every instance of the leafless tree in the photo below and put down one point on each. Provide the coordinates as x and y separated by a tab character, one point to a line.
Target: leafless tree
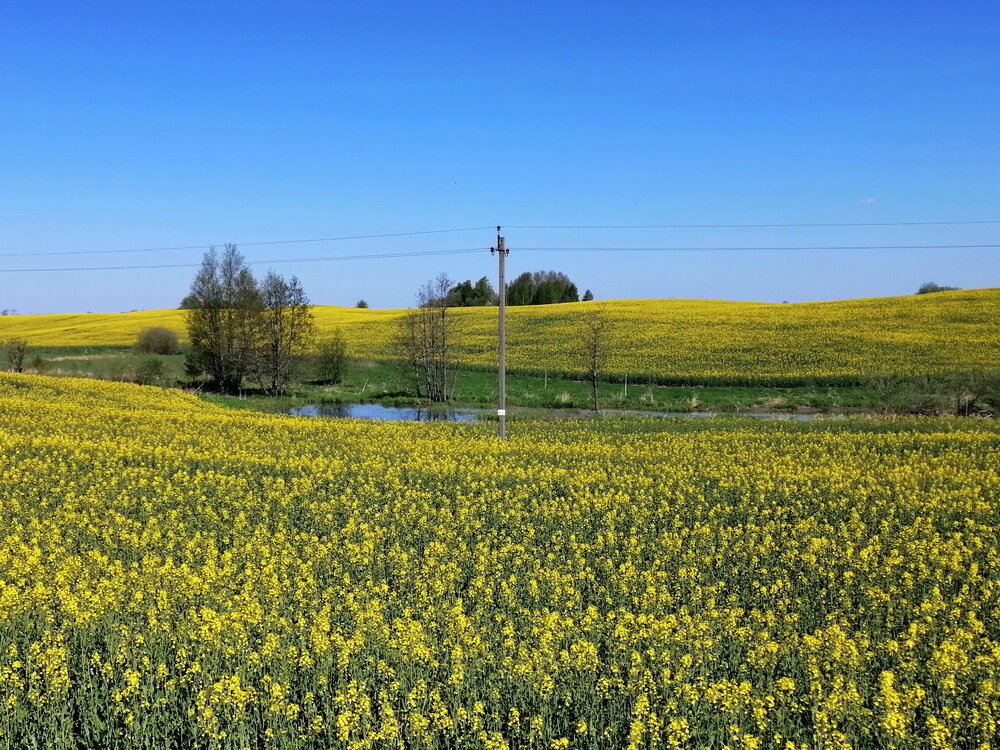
284	331
221	310
426	340
595	346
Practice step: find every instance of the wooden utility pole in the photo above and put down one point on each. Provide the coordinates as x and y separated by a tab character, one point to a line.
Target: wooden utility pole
501	250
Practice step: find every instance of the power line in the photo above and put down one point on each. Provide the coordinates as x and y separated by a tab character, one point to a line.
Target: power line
245	244
254	262
754	226
420	253
682	249
385	235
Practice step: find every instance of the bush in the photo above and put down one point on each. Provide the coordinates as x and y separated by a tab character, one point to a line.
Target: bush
149	371
117	369
958	394
331	361
39	364
361	303
930	287
157	341
563	399
16	349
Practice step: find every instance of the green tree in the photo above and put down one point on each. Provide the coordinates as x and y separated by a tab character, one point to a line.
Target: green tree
930	287
467	294
332	358
542	288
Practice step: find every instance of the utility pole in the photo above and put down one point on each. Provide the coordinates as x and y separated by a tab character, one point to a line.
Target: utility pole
501	250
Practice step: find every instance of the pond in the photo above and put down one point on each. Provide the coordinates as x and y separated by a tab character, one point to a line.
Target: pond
390	413
458	414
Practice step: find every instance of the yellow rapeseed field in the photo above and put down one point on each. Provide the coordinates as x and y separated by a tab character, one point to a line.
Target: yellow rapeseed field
923	334
176	575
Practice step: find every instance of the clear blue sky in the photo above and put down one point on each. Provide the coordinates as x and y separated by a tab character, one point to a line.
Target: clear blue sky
135	125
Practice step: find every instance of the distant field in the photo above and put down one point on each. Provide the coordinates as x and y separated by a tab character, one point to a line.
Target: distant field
682	339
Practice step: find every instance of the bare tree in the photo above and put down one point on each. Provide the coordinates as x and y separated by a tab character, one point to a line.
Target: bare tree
221	310
285	330
595	347
426	340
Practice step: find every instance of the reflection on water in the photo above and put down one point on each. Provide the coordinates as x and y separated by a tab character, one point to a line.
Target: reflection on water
390	413
451	414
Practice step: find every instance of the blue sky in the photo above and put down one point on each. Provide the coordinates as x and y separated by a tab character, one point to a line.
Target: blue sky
138	125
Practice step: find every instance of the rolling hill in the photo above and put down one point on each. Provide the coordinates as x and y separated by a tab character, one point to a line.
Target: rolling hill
667	339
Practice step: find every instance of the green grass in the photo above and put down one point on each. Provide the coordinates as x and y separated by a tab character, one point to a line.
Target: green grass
381	382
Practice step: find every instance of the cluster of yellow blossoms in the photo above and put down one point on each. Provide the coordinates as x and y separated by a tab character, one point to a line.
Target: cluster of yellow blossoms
176	575
922	334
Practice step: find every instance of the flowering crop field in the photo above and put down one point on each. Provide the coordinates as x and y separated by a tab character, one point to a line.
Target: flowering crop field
176	575
923	334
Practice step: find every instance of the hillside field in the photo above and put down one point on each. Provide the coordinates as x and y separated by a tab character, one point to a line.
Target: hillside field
175	574
664	339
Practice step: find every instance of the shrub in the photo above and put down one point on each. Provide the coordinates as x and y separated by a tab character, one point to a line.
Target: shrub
16	349
149	371
930	287
39	364
157	340
331	361
117	369
960	393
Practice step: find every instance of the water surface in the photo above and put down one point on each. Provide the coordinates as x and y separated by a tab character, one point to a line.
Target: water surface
390	413
460	414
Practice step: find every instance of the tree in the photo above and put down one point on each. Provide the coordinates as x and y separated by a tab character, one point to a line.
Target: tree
467	294
283	332
595	347
16	350
425	340
222	309
930	287
542	288
588	296
361	303
331	362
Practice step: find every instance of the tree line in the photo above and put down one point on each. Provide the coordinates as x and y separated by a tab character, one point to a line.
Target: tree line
530	288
